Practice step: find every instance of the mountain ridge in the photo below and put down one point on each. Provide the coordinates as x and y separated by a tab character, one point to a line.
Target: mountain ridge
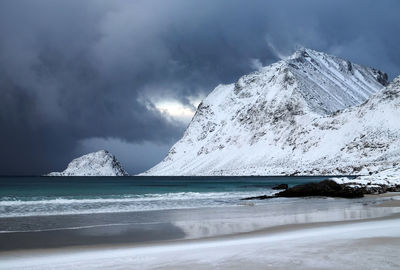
274	122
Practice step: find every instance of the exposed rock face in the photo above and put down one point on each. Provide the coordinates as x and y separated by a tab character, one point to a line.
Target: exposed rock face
344	187
311	114
331	188
376	183
101	163
328	188
281	186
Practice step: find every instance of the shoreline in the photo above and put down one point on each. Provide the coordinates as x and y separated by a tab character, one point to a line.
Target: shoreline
241	235
130	233
332	188
357	234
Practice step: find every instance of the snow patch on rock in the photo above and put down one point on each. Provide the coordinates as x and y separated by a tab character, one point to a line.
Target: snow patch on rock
101	163
389	178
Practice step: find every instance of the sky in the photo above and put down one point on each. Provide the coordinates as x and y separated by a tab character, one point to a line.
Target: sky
127	75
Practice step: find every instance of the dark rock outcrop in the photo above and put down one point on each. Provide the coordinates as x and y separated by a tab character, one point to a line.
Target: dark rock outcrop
327	188
379	189
263	197
281	186
395	188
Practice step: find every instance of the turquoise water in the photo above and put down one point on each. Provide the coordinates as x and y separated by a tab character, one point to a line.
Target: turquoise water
38	196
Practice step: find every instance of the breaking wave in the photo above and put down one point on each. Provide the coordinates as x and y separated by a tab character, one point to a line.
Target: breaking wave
44	206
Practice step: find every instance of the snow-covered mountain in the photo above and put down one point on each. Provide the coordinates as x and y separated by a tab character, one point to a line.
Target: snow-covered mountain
310	114
101	163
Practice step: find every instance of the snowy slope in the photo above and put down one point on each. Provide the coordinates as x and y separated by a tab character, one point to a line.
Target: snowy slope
284	119
101	163
389	177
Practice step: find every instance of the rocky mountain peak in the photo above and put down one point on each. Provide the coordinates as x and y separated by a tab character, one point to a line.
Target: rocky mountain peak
100	163
303	55
306	111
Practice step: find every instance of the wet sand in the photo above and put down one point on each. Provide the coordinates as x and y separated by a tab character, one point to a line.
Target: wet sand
383	195
39	232
367	244
116	234
393	202
285	234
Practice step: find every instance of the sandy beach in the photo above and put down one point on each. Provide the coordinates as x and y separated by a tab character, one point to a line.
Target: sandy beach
371	244
325	234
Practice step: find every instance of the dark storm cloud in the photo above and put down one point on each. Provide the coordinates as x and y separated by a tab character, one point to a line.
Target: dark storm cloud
73	71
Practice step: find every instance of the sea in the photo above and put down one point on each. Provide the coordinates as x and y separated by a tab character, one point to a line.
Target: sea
44	196
52	212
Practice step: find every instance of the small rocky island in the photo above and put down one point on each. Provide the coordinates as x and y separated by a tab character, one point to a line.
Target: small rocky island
100	163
